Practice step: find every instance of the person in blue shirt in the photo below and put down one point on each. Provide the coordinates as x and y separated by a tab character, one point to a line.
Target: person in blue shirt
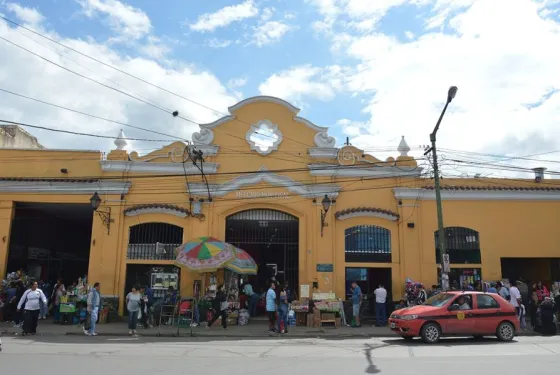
356	304
271	308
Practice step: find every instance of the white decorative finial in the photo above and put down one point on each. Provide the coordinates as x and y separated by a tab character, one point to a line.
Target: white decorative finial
120	142
403	147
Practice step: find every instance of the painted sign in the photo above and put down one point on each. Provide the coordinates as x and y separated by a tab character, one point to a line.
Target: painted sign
304	291
261	195
325	268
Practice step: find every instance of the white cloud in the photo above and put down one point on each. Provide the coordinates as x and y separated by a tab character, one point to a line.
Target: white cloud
499	70
224	17
30	16
217	43
409	35
267	14
127	21
155	48
270	32
237	82
50	83
297	83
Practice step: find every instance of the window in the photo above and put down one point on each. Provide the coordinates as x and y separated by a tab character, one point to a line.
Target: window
154	241
462	245
367	243
464	301
484	301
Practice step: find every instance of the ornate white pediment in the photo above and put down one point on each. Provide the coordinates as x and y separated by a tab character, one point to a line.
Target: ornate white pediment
264	137
264	175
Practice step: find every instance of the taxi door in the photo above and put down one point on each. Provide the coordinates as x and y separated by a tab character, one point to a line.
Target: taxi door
487	309
460	321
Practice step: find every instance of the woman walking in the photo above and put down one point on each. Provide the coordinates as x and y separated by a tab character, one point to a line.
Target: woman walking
220	307
57	294
283	307
30	302
133	302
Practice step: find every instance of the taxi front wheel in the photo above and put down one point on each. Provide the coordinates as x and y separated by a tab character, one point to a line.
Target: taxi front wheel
505	331
431	333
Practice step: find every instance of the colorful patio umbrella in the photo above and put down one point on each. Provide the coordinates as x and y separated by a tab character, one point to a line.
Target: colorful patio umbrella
242	263
204	254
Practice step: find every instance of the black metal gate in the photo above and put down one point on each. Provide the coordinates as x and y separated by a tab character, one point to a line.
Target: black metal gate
270	236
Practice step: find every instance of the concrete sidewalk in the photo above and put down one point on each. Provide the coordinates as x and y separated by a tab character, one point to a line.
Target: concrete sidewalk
257	329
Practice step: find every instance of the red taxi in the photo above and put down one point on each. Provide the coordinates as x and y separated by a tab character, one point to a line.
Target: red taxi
457	314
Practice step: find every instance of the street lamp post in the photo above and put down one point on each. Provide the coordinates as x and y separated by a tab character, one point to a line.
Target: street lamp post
441	234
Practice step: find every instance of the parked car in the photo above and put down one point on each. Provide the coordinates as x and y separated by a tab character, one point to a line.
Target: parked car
457	313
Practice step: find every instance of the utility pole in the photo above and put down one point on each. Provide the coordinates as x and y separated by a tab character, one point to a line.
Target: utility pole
441	233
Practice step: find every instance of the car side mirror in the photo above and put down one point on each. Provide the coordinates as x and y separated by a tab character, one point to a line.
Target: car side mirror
454	307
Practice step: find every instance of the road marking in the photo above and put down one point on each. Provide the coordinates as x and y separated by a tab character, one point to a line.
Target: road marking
127	339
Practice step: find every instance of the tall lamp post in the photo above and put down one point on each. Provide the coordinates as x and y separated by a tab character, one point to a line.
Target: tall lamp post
441	234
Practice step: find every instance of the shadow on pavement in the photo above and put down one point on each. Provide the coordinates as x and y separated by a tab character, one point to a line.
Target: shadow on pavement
449	341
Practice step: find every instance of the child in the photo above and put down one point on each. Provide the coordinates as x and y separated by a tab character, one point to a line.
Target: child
521	317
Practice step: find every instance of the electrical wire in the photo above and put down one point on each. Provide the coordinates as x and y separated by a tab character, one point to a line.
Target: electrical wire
89	115
78	133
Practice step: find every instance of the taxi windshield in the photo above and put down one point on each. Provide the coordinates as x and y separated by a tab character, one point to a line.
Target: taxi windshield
439	299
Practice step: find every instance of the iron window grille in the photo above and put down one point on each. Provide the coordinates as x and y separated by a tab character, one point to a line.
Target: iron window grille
367	243
154	241
462	245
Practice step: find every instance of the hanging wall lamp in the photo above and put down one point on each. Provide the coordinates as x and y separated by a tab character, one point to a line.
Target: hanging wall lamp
104	215
326	203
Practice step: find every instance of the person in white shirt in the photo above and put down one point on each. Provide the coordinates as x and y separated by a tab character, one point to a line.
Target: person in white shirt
515	298
30	303
380	303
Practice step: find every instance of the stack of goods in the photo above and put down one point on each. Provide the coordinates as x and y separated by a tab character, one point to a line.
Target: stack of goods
243	317
412	291
233	317
300	306
292	318
328	305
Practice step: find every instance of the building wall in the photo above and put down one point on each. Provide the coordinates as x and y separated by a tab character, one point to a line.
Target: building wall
13	136
523	225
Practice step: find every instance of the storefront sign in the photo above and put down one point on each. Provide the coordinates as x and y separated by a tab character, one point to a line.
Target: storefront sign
261	195
304	291
325	268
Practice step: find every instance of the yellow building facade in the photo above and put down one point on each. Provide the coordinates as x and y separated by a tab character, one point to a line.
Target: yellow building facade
259	178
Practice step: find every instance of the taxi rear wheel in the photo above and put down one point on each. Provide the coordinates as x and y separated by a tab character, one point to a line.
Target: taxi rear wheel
431	333
505	331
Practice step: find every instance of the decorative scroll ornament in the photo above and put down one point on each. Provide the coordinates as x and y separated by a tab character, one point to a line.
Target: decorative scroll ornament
323	140
204	137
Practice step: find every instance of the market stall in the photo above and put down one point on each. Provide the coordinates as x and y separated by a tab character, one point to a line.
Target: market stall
219	263
320	309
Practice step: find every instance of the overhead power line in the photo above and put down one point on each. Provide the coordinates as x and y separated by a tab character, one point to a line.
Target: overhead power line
174	114
89	114
78	133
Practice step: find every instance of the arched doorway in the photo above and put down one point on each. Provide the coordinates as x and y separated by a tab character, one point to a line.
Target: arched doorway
272	239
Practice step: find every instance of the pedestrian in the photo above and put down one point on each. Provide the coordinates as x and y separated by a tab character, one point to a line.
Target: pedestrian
521	317
30	304
503	291
93	307
534	306
542	291
283	307
252	299
515	298
492	288
58	293
380	306
356	304
18	316
133	307
271	307
220	306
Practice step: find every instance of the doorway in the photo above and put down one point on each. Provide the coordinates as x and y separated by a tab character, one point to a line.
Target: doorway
271	237
51	240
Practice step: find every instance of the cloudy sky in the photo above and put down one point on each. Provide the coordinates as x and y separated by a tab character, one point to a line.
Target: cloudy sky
371	70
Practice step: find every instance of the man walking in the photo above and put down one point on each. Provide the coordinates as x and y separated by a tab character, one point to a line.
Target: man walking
271	308
356	304
380	303
93	307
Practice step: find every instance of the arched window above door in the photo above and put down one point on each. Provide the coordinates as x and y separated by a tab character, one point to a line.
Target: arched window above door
367	243
154	241
462	244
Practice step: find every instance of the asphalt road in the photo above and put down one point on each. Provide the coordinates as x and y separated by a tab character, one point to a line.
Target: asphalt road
85	356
